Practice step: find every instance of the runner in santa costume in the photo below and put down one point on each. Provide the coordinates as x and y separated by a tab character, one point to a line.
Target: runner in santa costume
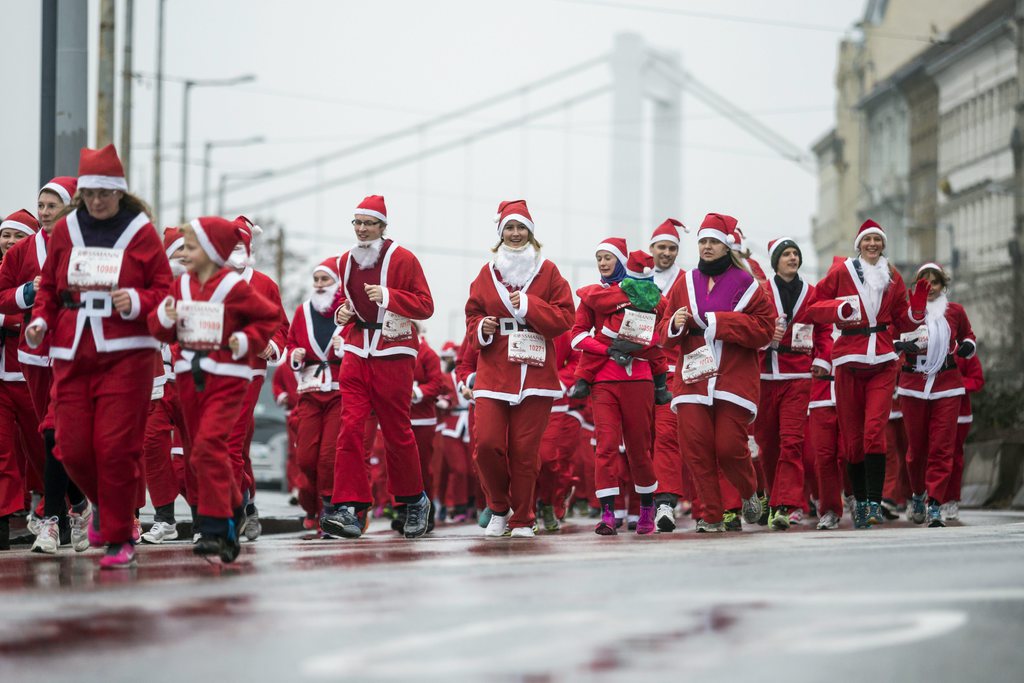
930	390
454	474
105	271
219	322
518	304
720	317
974	381
623	392
786	382
21	446
383	290
558	445
313	355
867	300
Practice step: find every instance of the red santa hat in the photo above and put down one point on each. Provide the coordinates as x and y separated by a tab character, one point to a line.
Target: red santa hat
449	350
246	224
640	265
217	236
720	227
100	169
868	227
174	239
330	266
779	245
64	186
615	246
22	221
373	206
738	244
666	232
513	210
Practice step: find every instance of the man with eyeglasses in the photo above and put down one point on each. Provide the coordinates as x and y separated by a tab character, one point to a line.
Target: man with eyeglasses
383	290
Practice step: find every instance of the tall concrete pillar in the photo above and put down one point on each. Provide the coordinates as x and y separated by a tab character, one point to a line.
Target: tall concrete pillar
64	94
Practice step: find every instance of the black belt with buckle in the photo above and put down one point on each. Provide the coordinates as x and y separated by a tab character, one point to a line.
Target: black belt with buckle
949	364
863	331
368	326
692	332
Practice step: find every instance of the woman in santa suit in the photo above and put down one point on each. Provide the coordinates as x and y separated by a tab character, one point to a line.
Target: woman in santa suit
866	298
931	389
105	271
720	318
518	304
313	356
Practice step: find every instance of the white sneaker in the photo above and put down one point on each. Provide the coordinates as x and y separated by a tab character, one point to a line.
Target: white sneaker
251	527
796	516
48	539
160	532
34	523
951	510
195	537
829	520
80	522
523	532
665	518
496	527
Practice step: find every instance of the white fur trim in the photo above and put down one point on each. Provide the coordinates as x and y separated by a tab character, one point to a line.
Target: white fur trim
19	296
58	190
161	315
714	234
136	308
205	243
869	231
175	246
612	249
243	345
663	238
17	225
515	217
371	212
102	182
603	493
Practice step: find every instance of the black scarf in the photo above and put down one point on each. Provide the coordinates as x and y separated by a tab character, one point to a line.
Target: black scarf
103	233
716	267
789	292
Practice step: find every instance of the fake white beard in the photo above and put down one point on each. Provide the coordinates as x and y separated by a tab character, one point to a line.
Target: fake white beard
239	258
178	268
367	253
516	266
322	299
876	279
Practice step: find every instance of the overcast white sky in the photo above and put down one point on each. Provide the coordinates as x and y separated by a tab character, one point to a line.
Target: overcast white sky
332	73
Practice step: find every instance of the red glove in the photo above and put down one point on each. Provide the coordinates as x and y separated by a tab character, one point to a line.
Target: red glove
919	298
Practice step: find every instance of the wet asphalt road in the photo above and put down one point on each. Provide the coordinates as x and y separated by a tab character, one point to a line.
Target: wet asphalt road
896	603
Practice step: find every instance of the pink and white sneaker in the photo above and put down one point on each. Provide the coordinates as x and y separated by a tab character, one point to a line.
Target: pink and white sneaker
119	556
606	527
645	524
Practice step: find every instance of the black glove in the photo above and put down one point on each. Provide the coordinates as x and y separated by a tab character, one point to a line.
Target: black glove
619	357
906	347
965	349
626	346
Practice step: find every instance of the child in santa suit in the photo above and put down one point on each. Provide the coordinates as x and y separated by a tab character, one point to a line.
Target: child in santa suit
974	381
866	298
219	321
558	445
518	304
105	271
930	390
314	356
719	320
383	290
623	396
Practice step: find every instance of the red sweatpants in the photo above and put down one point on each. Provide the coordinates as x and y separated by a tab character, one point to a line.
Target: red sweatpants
241	436
21	446
318	417
456	471
425	448
715	437
585	467
39	380
779	432
206	414
863	401
156	450
931	439
669	465
897	483
557	449
957	477
622	415
100	403
383	386
823	439
507	453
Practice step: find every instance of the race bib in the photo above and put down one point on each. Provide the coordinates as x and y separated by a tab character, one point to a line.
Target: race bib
528	348
803	338
854	301
918	336
699	365
200	325
94	268
395	328
310	380
637	327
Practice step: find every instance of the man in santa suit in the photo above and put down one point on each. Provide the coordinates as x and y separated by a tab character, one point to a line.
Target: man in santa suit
241	434
383	291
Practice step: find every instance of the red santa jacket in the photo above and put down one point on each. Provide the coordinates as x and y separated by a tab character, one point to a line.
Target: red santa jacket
323	361
247	316
427	384
455	416
785	363
974	381
945	381
286	389
869	341
566	359
406	294
823	389
22	263
596	327
734	338
545	307
145	275
265	286
10	368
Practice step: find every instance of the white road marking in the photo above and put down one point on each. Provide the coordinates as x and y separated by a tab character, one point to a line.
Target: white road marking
905	628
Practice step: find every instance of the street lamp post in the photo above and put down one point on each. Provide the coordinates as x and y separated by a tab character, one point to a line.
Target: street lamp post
207	149
189	84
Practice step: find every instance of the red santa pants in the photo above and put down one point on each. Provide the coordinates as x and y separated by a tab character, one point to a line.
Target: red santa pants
622	415
863	401
156	451
425	448
823	440
585	466
206	413
715	437
557	448
318	416
957	477
39	380
507	453
241	436
456	471
897	484
669	466
931	439
383	386
100	404
21	446
779	432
